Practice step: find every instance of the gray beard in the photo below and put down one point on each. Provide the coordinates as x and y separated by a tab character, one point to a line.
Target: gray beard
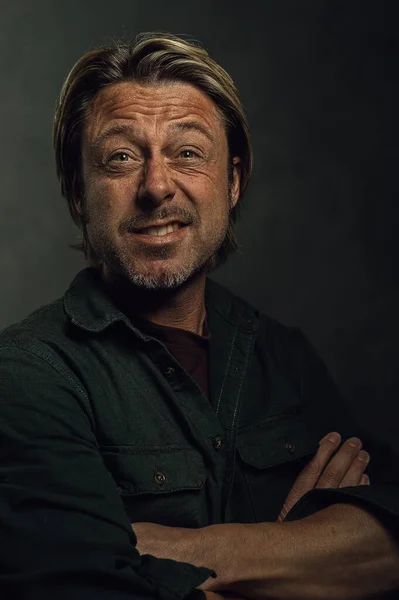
166	280
170	280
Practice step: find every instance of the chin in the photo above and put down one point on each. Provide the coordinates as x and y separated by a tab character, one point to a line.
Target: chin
154	275
159	279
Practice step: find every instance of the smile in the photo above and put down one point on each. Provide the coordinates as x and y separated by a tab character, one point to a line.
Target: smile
162	234
161	230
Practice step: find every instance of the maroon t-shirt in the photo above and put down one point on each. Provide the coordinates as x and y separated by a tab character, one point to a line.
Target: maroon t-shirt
189	349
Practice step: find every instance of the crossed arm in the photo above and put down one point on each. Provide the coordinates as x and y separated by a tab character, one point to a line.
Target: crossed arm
341	552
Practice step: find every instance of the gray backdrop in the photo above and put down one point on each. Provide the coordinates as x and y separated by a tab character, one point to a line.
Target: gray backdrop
319	83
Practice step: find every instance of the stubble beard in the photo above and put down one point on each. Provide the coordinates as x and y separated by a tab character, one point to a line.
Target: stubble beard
196	260
165	278
119	261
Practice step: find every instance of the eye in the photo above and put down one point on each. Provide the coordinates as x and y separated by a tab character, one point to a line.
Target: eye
188	152
120	157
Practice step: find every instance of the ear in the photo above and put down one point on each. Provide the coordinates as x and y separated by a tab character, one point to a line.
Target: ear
235	190
78	207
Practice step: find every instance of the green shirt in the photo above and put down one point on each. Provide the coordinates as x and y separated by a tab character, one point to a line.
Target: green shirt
100	426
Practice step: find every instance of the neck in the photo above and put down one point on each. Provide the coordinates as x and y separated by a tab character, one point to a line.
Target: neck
183	308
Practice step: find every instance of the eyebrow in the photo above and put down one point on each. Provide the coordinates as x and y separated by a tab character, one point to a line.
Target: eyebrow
126	130
192	125
116	129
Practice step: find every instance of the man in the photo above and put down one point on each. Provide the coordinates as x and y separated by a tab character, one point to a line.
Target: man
159	437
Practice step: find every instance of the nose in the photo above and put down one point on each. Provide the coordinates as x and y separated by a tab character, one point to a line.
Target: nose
157	185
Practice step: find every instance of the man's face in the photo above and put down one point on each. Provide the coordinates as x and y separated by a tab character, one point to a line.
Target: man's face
155	171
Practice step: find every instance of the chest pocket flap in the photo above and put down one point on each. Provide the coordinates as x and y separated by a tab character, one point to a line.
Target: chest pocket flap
154	470
282	439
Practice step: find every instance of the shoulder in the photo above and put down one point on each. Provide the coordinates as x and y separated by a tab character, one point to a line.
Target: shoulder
37	353
38	346
45	324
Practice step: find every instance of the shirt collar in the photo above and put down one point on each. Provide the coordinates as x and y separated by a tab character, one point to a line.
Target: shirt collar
89	305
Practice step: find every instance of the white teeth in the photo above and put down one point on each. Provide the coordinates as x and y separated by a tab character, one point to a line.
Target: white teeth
162	230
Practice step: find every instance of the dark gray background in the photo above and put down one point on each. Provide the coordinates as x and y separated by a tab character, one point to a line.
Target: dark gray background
319	83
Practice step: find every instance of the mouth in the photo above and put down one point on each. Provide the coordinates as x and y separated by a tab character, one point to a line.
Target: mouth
161	230
158	234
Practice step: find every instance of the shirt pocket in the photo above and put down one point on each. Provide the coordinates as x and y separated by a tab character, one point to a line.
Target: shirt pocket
159	484
271	456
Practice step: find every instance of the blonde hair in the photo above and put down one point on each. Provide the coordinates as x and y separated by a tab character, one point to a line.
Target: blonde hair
152	58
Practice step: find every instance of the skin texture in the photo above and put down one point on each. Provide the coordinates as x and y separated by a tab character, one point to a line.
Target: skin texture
154	171
340	552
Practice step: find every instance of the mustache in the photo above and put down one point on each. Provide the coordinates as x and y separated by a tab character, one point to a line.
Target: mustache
147	219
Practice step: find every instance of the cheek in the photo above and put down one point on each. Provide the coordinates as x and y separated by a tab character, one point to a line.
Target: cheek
216	208
107	199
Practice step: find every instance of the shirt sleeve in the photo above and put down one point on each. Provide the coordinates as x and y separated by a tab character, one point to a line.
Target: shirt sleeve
64	530
324	410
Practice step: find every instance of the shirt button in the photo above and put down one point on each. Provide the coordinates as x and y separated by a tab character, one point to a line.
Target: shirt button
159	478
169	371
290	447
217	442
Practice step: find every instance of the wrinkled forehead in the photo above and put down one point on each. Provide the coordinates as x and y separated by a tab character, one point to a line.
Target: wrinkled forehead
145	104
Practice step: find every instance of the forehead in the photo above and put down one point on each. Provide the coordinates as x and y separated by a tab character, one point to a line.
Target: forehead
150	104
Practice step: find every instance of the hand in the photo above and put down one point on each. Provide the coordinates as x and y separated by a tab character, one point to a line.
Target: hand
345	468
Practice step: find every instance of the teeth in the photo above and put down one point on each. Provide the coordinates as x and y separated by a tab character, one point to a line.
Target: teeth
162	230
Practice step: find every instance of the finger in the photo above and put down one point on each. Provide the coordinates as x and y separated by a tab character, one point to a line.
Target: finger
339	464
309	476
332	436
365	480
356	470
